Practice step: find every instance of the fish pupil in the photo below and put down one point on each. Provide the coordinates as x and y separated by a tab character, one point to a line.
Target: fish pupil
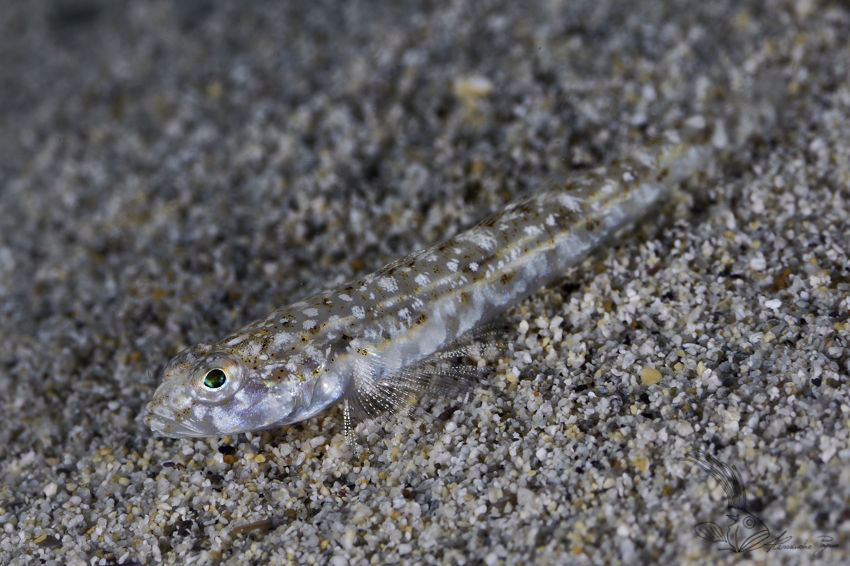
214	379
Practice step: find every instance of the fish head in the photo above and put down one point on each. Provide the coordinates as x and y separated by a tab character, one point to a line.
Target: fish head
215	390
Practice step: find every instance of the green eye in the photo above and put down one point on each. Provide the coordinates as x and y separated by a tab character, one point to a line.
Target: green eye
214	379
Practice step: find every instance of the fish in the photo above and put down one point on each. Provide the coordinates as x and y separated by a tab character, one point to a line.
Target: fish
367	342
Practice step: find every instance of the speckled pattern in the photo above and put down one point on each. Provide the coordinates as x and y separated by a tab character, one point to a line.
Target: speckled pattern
362	342
171	173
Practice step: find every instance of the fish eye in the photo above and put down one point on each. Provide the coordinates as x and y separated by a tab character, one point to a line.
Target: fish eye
215	379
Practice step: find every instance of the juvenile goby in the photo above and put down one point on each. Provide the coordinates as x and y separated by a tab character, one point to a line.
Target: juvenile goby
362	342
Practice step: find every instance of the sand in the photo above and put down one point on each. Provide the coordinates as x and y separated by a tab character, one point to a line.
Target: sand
170	171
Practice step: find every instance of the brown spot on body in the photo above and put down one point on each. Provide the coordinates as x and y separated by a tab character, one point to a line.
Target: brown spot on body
421	319
465	298
506	278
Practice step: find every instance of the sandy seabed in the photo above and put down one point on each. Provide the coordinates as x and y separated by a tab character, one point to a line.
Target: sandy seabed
170	171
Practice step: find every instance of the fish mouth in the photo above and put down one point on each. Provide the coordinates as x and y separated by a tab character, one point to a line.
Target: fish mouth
167	426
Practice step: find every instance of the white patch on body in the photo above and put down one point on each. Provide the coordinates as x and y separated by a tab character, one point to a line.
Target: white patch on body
481	238
570	202
313	353
235	341
388	284
280	340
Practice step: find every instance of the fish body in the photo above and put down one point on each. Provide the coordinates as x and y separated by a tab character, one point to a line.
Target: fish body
358	342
